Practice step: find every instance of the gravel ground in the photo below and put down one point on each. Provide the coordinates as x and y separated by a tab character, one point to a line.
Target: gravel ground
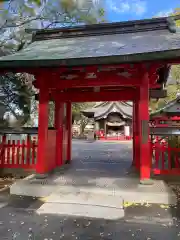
20	224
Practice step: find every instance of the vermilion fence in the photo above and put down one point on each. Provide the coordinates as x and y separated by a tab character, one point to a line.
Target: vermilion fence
116	138
18	153
23	154
165	159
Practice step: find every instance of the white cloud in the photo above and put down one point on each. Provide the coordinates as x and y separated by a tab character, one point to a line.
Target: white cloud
118	7
123	6
164	13
140	7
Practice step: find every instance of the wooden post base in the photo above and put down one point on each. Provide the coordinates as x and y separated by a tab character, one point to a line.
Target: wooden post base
41	176
68	162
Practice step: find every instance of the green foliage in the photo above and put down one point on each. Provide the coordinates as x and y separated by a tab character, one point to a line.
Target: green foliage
17	96
37	2
51	114
78	116
176	73
74	10
48	13
78	107
172	90
18	15
171	95
176	12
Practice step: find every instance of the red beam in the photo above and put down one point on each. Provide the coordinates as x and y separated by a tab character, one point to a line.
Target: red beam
128	95
133	68
98	82
103	80
111	66
63	69
171	61
59	70
136	67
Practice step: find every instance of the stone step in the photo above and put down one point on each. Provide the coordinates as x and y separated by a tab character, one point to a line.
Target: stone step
74	182
143	194
73	209
83	204
85	198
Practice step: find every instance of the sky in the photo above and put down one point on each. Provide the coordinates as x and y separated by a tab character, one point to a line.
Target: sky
123	10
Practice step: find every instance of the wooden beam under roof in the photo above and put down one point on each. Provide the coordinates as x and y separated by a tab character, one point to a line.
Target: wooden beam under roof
154	93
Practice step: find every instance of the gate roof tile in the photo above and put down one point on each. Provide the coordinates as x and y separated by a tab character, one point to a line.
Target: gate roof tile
132	41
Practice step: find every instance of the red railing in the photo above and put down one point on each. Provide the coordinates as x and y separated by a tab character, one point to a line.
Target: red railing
164	121
165	159
18	154
116	138
102	136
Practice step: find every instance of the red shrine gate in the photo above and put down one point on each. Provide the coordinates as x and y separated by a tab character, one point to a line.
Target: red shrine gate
86	64
139	95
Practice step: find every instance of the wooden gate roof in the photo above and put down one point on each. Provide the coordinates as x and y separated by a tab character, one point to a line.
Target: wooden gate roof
124	42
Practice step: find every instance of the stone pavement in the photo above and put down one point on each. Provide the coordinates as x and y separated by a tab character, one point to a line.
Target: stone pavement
22	221
71	212
97	168
84	204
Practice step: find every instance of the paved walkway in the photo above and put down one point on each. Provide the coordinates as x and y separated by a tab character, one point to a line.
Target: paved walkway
19	220
111	157
97	168
95	163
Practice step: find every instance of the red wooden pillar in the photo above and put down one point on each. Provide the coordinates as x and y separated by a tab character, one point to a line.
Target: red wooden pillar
143	122
69	131
59	116
136	160
42	165
134	136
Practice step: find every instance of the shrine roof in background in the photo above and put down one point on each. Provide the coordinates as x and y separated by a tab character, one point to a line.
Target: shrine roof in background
102	110
125	42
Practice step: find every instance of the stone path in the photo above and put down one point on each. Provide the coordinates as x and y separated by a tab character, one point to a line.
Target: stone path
29	218
97	168
113	158
22	223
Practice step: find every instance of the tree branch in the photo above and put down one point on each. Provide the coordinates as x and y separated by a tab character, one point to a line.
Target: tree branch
9	5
